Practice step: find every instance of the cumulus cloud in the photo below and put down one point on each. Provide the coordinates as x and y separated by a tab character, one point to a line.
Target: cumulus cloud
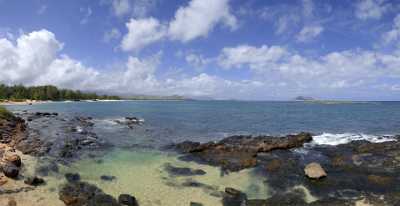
36	59
351	68
142	32
199	17
371	9
190	22
308	33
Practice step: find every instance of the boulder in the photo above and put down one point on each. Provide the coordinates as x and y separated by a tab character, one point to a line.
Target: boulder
34	181
233	197
10	170
129	200
13	159
314	171
72	177
85	194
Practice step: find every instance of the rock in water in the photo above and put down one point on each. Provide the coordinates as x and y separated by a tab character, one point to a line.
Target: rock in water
233	197
183	171
10	170
72	177
314	171
107	178
85	194
129	200
34	181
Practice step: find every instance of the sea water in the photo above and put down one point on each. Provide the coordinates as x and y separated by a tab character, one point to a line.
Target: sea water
138	163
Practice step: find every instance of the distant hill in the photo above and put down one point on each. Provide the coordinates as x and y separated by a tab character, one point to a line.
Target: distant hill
304	98
154	97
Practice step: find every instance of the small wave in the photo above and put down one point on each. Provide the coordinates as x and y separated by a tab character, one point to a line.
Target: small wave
336	139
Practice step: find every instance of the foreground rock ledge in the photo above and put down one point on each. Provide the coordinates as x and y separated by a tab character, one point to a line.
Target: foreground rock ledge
239	152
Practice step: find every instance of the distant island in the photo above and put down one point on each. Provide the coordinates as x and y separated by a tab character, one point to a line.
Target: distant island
304	98
20	93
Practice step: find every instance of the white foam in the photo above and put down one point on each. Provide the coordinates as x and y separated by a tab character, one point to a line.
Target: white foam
336	139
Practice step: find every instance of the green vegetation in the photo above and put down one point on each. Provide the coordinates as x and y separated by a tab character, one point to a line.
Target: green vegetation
48	92
5	114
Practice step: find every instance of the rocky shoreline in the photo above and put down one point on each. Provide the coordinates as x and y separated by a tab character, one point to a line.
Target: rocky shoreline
356	173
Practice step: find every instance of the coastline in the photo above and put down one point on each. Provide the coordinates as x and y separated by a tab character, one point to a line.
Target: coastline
32	102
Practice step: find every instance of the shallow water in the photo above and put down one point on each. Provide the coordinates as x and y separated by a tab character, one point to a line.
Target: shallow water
141	173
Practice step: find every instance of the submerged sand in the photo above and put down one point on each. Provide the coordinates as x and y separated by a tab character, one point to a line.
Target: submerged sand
139	173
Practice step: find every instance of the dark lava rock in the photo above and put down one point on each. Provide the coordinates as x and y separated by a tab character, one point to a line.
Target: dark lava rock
72	177
129	200
233	197
34	181
239	152
107	178
10	170
183	171
85	194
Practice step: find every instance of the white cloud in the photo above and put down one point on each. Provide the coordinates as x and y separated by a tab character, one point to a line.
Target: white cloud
35	59
121	7
308	33
334	70
199	18
114	33
394	34
132	8
196	60
371	9
142	32
257	58
194	21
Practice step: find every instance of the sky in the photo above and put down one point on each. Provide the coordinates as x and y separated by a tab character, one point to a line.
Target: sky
221	49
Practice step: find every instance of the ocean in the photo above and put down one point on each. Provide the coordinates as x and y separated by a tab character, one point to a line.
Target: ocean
137	159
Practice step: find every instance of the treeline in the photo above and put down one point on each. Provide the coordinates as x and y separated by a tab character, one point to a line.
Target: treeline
48	92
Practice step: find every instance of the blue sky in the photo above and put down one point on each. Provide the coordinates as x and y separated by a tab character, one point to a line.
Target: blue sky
225	49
